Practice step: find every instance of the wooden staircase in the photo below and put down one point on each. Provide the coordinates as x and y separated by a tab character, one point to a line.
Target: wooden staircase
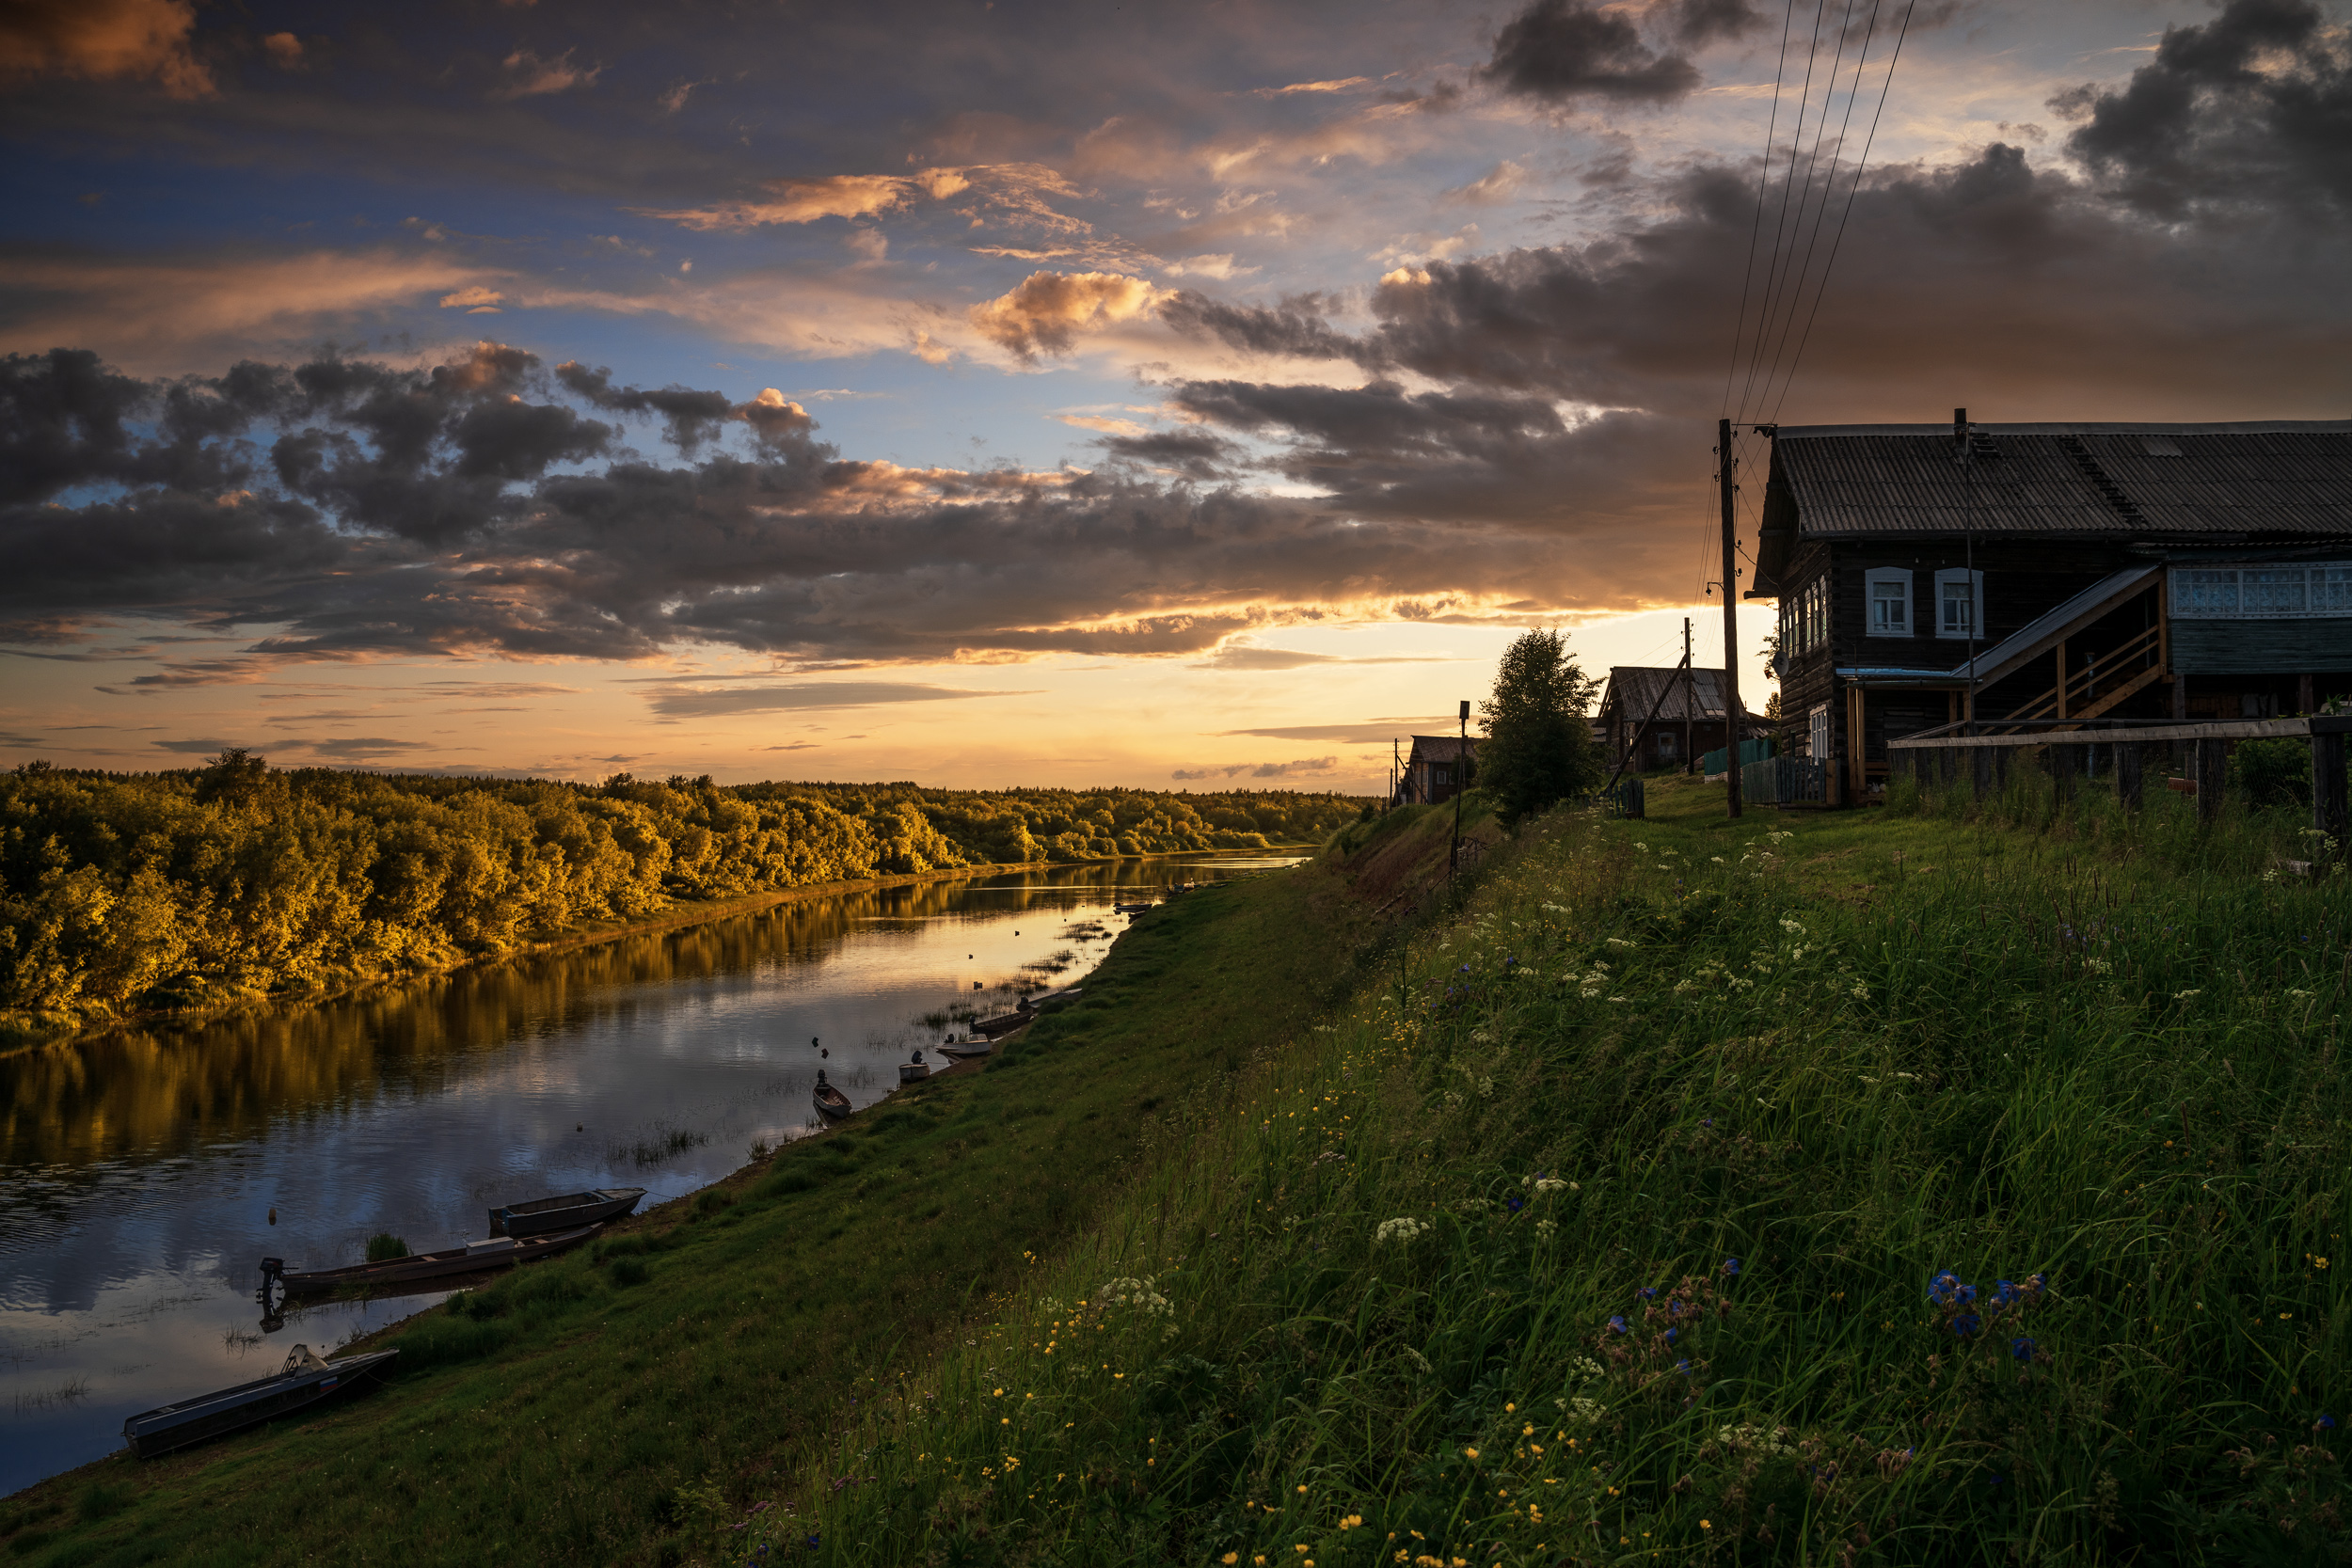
2104	681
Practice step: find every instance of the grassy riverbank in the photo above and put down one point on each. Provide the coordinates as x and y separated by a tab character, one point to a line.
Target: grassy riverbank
1603	1223
1612	1225
599	1409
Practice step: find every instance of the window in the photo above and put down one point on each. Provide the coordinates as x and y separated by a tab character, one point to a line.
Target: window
2263	593
1667	741
1804	617
1960	603
1889	590
1817	732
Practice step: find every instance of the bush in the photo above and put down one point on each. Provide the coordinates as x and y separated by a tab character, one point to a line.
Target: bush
711	1200
625	1272
2273	772
384	1246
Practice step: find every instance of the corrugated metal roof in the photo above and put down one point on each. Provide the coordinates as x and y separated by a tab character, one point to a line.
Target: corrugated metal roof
1635	687
2259	479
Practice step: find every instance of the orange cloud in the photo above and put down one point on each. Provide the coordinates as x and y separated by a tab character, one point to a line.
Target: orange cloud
834	196
476	300
528	76
103	40
1047	310
285	49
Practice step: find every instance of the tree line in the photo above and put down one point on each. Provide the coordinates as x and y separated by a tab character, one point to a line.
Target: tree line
236	882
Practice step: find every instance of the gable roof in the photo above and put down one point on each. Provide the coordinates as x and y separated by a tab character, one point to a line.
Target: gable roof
1634	687
2163	482
1441	748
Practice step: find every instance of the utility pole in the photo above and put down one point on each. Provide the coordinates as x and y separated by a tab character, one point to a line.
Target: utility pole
1726	467
1396	772
1969	536
1690	682
1461	767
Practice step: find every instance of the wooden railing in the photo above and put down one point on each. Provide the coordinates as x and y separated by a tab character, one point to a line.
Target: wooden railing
2104	680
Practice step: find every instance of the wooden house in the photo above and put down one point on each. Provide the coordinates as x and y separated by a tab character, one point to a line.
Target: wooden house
1688	709
2052	572
1439	767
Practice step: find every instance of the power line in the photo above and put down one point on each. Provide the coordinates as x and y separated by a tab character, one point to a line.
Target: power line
1829	183
1851	191
1780	222
1756	227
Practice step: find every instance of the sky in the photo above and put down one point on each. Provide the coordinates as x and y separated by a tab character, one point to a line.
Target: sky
998	394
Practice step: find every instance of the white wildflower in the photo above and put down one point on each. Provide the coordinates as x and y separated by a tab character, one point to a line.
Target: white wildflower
2186	995
1620	942
2098	966
1791	928
1400	1230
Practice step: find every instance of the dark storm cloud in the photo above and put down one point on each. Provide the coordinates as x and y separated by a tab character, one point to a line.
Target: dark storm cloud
346	510
690	417
1303	768
1295	326
1558	50
1194	453
2252	106
1696	23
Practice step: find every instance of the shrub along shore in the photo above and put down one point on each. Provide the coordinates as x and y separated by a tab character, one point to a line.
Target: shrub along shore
234	885
1941	1184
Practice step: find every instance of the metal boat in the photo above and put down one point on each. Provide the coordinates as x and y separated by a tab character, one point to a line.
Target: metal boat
304	1382
543	1214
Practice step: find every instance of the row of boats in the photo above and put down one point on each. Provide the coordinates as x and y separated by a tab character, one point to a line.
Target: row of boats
521	1233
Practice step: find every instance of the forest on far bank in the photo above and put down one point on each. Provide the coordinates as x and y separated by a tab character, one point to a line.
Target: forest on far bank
126	892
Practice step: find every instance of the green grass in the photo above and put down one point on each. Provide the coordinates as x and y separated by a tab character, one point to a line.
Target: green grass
609	1406
1368	1308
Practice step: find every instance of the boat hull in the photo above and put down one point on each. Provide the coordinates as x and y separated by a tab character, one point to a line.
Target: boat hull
435	1265
832	1109
528	1219
210	1416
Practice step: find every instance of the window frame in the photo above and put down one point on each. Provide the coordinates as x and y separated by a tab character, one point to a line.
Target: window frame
1956	575
1871	578
2229	592
1819	736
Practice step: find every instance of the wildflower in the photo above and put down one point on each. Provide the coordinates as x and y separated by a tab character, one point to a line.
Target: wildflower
1792	928
1731	1267
2326	1423
2186	995
2023	1347
1966	1323
1647	1293
1472	1452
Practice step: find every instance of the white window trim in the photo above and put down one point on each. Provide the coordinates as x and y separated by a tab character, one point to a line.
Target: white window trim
1959	574
1818	739
2315	605
1871	580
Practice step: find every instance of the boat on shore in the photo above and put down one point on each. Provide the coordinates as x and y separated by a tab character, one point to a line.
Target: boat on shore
913	1071
964	1047
1131	909
498	1252
1003	1023
543	1214
305	1381
830	1103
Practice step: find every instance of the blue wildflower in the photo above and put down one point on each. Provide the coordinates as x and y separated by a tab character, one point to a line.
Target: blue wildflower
1683	1367
1515	1204
1706	1121
1966	1323
1465	969
1940	1289
1508	962
2023	1347
1731	1267
1672	1335
2326	1423
1647	1293
1616	1325
2005	1294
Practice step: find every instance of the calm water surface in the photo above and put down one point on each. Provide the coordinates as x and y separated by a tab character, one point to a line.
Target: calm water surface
137	1172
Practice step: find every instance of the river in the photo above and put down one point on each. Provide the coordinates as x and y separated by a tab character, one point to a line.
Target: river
145	1173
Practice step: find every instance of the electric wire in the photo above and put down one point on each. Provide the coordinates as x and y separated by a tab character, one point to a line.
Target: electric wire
1829	187
1755	226
1838	238
1780	221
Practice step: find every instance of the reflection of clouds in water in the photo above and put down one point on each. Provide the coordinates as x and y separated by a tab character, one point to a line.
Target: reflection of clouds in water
137	1170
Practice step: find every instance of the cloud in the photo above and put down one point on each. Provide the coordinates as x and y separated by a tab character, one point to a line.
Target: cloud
832	195
105	40
1219	266
479	299
1558	50
1193	454
1501	182
1696	23
1370	732
2247	109
1047	310
1249	656
688	703
164	314
285	50
1108	426
1303	766
529	76
367	747
1345	83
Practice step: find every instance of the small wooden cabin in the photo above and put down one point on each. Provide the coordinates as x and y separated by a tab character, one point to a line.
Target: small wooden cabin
2053	571
1439	767
1689	722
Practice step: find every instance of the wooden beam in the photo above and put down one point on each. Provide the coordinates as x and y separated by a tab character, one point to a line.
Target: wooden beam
2211	775
2328	791
2061	678
2128	786
2228	729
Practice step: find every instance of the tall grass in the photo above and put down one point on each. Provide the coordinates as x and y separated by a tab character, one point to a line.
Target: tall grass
1608	1226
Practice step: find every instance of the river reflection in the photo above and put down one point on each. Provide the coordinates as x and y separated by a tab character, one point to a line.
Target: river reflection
140	1172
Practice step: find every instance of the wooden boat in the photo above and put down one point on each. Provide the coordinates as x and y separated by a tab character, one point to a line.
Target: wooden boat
543	1214
500	1252
304	1382
963	1047
830	1103
1131	909
1003	1023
